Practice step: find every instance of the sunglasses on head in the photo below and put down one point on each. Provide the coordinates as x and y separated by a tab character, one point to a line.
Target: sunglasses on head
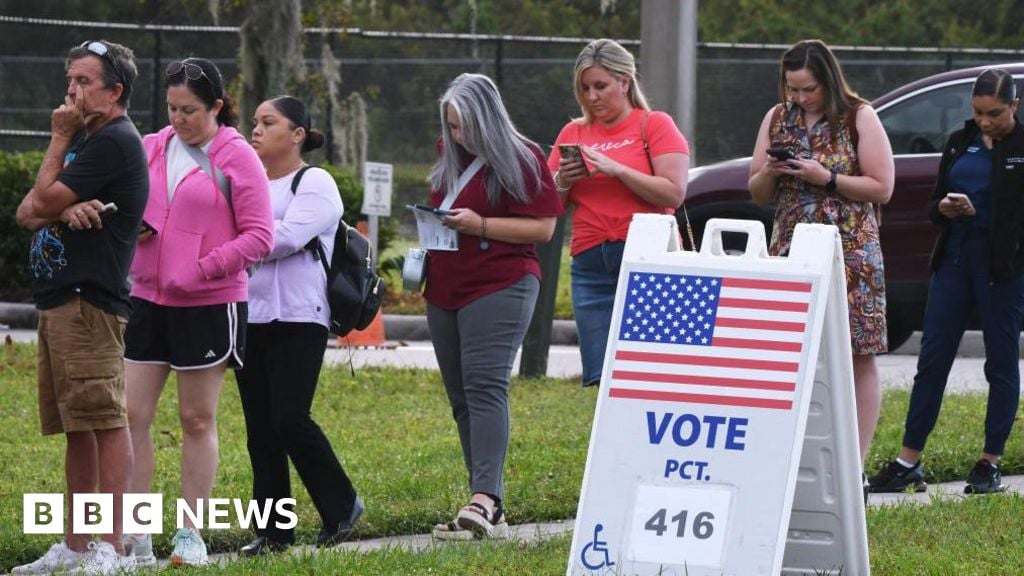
100	49
192	71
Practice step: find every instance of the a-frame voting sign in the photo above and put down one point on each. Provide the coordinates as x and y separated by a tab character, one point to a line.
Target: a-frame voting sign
716	448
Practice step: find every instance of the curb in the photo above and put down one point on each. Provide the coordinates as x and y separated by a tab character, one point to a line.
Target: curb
404	328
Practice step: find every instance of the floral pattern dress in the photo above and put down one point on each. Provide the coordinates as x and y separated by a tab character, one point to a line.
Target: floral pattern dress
798	201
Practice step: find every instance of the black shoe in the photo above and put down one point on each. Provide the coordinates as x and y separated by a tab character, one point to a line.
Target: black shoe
337	535
984	478
895	477
262	545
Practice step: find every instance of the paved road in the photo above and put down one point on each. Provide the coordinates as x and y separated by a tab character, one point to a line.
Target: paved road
564	361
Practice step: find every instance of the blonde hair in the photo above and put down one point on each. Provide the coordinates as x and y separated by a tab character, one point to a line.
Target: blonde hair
611	56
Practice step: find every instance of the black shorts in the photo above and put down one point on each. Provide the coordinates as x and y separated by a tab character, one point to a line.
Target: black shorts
188	337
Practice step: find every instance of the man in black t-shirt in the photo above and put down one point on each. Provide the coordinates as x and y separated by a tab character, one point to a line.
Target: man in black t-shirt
85	210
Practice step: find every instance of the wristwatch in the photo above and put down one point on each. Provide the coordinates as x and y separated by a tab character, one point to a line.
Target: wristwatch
830	186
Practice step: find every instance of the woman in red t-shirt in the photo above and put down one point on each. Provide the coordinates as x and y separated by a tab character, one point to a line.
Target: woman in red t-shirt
480	297
632	161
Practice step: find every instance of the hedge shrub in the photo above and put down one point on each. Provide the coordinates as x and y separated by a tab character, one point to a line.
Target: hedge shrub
17	174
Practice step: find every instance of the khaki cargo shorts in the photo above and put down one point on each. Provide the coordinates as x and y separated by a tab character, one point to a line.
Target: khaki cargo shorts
81	369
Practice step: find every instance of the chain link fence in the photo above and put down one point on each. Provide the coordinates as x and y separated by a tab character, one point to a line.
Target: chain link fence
401	76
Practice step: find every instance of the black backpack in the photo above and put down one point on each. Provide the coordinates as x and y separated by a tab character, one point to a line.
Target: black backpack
354	290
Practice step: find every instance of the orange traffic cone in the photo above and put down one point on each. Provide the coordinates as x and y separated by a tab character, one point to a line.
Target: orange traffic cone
373	335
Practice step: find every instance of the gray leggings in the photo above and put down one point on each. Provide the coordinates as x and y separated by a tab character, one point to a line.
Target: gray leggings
475	348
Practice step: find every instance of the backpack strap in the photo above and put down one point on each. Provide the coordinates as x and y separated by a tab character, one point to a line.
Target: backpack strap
650	162
314	242
203	159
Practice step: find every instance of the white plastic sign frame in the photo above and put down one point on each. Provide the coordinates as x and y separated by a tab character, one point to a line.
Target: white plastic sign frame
696	448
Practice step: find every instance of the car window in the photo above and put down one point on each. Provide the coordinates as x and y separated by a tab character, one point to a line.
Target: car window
922	123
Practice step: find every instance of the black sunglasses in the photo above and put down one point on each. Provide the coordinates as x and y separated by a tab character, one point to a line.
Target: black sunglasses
100	49
192	71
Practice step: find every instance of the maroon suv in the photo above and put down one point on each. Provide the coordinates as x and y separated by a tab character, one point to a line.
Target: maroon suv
918	118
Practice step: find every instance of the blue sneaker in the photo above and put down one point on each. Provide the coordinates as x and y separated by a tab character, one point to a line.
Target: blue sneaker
895	477
984	478
189	548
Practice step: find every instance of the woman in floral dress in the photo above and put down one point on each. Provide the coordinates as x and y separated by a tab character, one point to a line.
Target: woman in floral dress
842	171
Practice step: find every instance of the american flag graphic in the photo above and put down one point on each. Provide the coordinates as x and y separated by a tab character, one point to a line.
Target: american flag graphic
728	341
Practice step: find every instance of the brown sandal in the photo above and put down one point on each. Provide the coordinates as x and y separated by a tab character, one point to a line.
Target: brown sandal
451	531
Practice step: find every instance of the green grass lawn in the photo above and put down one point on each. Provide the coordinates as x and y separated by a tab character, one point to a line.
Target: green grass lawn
393	431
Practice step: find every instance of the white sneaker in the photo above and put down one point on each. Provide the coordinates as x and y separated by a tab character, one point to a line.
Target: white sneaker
57	559
102	559
189	548
141	547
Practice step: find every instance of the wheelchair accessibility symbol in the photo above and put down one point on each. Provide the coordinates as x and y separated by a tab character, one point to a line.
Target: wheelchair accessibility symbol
595	554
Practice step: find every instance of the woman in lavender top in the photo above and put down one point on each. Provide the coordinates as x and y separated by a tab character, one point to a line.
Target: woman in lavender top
287	333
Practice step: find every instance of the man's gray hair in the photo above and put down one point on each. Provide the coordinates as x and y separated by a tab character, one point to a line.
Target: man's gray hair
488	133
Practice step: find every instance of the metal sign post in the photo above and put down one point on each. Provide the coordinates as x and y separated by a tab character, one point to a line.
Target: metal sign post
377	180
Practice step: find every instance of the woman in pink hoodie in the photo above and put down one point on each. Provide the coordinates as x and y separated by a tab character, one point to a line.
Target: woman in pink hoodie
207	220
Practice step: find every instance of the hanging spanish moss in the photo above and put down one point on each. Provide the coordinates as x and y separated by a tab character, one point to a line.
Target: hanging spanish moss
270	56
349	122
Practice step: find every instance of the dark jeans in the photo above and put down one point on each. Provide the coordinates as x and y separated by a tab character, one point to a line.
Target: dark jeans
475	348
282	366
959	286
595	275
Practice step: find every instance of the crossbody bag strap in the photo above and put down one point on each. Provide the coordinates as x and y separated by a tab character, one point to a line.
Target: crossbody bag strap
203	159
650	162
314	242
464	179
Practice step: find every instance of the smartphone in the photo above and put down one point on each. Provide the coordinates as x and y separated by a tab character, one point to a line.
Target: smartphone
957	196
781	153
435	211
147	228
570	152
108	208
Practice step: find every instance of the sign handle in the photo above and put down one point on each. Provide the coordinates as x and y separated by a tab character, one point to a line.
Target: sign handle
712	239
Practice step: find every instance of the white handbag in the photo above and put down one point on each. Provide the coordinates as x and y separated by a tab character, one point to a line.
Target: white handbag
414	271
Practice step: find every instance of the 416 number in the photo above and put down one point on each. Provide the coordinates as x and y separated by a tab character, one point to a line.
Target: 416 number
701	527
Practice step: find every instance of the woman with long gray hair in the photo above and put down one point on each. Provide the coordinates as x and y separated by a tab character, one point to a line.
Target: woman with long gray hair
480	297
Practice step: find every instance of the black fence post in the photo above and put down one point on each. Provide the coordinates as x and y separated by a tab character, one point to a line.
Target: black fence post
537	342
328	119
499	54
154	109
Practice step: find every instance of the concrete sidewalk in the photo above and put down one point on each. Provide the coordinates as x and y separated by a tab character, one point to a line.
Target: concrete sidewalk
530	533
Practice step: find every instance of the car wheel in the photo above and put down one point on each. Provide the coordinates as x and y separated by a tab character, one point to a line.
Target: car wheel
899	330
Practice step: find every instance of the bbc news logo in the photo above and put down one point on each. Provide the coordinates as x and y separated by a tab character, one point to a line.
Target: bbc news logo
143	513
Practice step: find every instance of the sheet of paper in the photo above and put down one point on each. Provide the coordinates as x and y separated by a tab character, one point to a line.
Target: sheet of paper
434	235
